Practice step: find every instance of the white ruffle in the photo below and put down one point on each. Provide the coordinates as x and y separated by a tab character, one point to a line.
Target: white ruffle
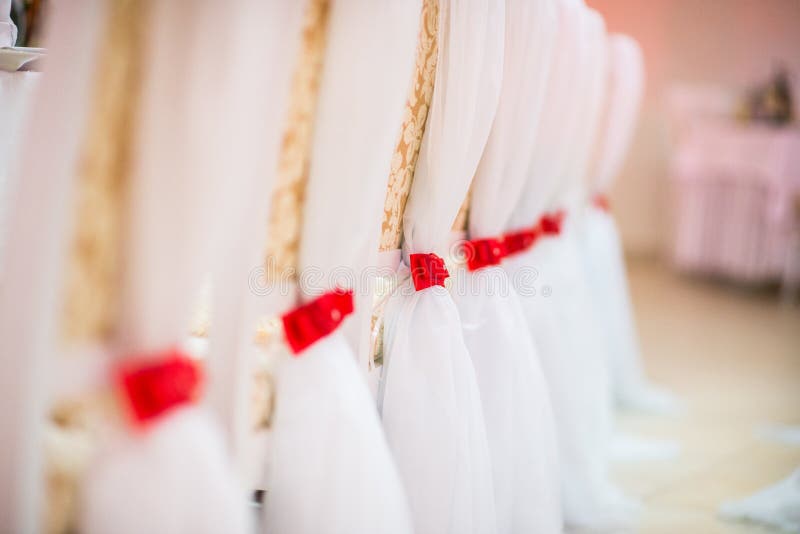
331	470
432	414
516	402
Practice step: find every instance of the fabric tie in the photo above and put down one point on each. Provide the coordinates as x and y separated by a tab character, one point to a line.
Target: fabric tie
307	324
601	201
427	270
521	240
484	252
551	223
157	383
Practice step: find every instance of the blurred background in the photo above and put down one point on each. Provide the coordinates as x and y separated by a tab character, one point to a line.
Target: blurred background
707	56
708	205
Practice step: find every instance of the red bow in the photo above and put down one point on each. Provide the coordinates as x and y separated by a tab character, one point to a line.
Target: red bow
427	270
601	201
522	240
484	253
152	388
551	222
307	324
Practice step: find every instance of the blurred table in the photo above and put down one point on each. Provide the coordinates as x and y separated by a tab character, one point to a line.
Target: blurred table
736	196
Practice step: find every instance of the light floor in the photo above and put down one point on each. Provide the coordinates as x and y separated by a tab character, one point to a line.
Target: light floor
733	355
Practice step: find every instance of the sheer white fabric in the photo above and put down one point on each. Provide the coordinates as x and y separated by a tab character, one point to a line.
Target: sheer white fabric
431	406
513	391
625	89
270	33
558	114
592	60
331	469
37	229
602	248
174	476
551	280
17	90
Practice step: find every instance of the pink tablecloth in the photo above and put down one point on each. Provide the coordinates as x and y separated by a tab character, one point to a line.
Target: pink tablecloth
736	191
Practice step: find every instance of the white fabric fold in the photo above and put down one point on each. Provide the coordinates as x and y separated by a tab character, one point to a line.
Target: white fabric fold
429	395
432	414
551	280
37	229
556	123
625	84
601	242
331	470
270	33
515	400
514	395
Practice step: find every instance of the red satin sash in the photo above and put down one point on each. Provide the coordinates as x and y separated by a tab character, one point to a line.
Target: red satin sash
307	324
427	270
484	252
551	223
157	383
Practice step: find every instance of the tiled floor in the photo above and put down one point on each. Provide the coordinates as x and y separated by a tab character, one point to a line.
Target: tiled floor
733	355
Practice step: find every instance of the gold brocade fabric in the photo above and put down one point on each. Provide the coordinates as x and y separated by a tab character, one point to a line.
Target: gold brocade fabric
405	157
92	271
404	161
462	218
283	234
91	280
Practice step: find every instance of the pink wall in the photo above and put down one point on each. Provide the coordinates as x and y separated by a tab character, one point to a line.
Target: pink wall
728	43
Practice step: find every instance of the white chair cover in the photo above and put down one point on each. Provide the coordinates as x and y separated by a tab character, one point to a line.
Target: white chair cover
250	169
556	308
602	249
331	468
558	114
625	90
429	395
513	391
37	228
174	476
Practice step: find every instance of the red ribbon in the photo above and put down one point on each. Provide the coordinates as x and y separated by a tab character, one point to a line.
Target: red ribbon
601	201
484	252
157	383
551	223
307	324
427	270
521	240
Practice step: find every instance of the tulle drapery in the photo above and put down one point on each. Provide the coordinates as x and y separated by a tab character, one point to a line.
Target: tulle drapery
601	242
331	469
550	276
429	396
513	391
175	474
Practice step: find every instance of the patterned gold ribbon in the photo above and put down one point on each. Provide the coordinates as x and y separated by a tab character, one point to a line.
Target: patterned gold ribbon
92	271
404	161
286	214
